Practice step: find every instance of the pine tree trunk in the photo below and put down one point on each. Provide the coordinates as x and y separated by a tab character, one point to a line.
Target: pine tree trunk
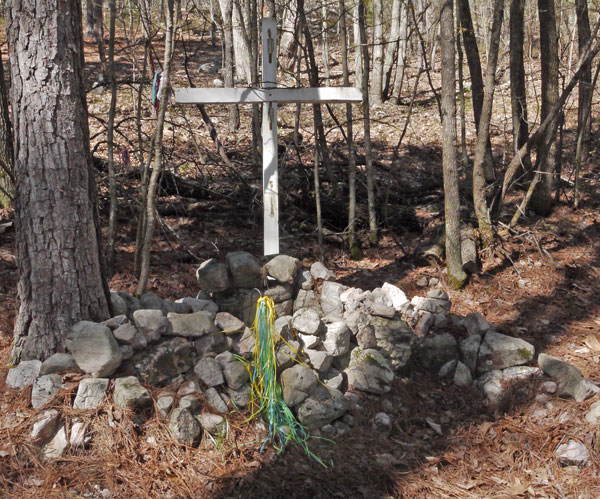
110	131
6	147
585	84
456	275
229	62
377	80
61	279
541	199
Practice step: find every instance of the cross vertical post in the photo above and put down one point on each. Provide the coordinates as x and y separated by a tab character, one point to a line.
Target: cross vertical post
269	139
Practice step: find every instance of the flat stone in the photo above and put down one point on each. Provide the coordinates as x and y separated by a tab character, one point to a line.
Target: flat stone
57	363
572	453
90	393
283	268
164	404
379	309
165	361
566	375
309	341
45	426
369	371
209	371
151	301
214	400
125	333
462	376
200	305
438	294
236	374
130	394
432	305
184	427
94	348
245	270
321	407
191	325
331	304
519	372
337	339
44	389
436	350
351	294
320	361
229	323
319	271
212	423
151	323
24	374
307	321
225	358
57	446
297	382
498	351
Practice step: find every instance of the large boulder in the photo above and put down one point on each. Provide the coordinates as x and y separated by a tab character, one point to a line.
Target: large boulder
297	382
212	276
498	351
321	407
130	394
191	325
369	371
283	268
151	323
94	348
165	361
245	270
57	363
24	374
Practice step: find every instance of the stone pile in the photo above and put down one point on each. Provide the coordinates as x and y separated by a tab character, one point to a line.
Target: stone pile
181	359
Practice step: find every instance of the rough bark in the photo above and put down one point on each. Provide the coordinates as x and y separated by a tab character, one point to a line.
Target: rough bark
94	27
541	198
585	84
391	47
110	129
401	64
456	275
229	62
358	64
6	147
377	80
61	277
288	40
518	94
241	42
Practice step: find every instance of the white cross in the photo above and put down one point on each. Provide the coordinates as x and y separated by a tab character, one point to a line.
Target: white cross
270	96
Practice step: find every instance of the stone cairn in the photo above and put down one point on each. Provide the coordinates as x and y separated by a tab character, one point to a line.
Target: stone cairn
177	358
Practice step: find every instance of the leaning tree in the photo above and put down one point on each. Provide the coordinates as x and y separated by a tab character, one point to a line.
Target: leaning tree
61	278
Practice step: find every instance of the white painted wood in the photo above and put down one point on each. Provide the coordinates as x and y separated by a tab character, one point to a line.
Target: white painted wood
331	95
269	134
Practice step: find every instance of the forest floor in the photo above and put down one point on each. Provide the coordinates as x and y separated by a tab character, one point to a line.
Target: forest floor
542	283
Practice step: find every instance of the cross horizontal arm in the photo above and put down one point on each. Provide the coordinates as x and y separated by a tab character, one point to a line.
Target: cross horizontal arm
257	95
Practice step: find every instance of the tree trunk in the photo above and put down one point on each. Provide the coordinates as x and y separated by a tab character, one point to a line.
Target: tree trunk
373	233
94	28
377	81
288	40
518	94
474	63
227	14
110	130
541	198
584	108
241	42
479	199
61	279
358	64
391	48
401	64
456	275
6	147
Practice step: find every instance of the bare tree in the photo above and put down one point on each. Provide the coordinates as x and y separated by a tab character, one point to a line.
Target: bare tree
377	80
110	129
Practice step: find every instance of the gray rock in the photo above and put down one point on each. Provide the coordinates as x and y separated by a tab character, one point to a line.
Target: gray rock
284	308
245	270
244	346
90	393
476	324
184	427
493	390
572	453
209	371
139	342
57	363
212	276
191	325
225	358
309	341
382	423
286	354
331	304
395	295
498	351
379	309
94	348
319	271
306	299
240	398
351	295
126	352
239	302
151	301
440	320
322	406
45	426
190	402
462	376
519	372
432	305
593	415
584	390
307	321
44	389
79	437
448	368
200	305
57	446
366	337
436	350
356	320
165	361
236	374
422	282
320	361
133	303
211	343
337	339
119	305
283	268
343	361
304	280
190	387
214	400
130	394
151	323
424	324
438	294
566	375
369	371
227	322
125	333
212	423
282	326
333	379
24	374
164	404
297	382
549	387
469	351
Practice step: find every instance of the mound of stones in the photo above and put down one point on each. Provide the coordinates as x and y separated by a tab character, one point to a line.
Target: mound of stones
182	359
